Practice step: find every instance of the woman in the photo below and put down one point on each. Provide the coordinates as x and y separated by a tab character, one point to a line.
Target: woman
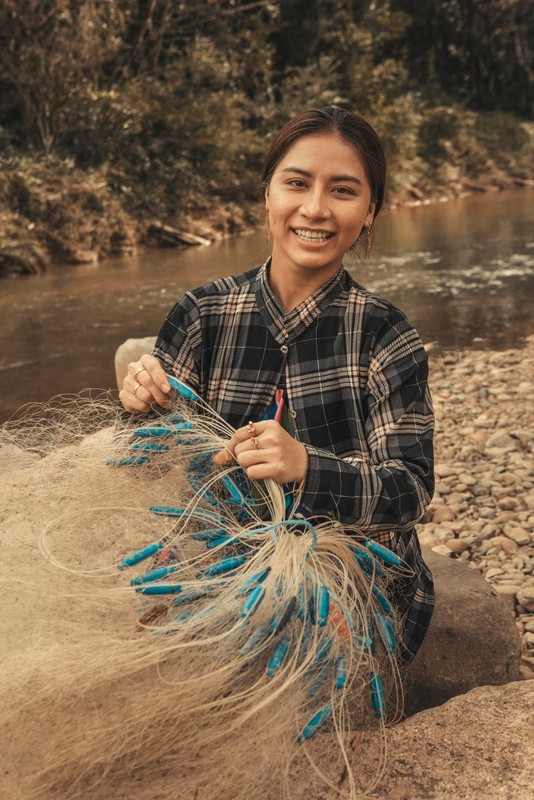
299	332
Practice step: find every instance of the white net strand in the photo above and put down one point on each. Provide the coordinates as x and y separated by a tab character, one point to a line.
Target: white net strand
246	627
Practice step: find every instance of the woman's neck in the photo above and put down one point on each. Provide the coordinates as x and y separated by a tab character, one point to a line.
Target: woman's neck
293	286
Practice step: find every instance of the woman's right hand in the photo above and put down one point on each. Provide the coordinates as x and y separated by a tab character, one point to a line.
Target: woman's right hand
145	384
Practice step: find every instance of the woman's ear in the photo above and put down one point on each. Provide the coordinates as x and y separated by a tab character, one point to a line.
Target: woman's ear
370	215
266	198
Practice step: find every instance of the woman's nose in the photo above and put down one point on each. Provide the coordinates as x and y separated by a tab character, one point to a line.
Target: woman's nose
315	205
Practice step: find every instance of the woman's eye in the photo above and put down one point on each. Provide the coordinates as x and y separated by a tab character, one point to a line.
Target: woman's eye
344	190
297	182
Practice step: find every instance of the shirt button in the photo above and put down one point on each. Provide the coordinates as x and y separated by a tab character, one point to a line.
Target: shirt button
284	349
293	413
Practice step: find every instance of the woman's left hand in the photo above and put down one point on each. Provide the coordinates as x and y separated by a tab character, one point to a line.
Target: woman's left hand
266	450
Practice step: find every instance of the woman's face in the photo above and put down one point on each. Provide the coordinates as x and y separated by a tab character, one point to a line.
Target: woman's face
318	201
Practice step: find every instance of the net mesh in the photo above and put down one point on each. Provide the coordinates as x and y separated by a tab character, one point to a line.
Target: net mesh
170	625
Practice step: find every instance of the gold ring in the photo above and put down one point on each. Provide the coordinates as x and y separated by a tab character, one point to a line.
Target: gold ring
138	370
254	443
136	387
251	428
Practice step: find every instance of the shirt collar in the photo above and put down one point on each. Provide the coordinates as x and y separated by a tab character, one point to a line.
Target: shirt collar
288	325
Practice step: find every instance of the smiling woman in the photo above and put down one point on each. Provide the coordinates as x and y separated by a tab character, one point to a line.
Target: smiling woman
333	376
269	514
319	202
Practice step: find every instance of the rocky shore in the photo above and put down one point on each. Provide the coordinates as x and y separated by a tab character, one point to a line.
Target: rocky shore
483	508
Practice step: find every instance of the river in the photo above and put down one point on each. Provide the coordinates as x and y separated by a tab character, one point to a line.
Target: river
463	271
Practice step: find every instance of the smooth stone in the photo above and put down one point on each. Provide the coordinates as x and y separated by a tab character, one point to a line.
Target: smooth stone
508	503
475	747
457	545
525	597
442	550
445	470
443	514
506	588
472	639
506	580
518	535
427	538
506	516
467	479
492	573
130	350
502	543
487	512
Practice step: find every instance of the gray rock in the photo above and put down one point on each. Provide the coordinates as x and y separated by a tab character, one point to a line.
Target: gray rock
518	535
130	350
472	640
457	545
443	514
476	747
503	441
525	596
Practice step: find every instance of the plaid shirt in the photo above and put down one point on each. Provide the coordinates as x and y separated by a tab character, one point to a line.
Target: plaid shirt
355	374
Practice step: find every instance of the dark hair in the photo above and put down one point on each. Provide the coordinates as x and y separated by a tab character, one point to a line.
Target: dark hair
351	127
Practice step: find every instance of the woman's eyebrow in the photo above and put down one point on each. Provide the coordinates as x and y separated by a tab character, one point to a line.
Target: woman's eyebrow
333	179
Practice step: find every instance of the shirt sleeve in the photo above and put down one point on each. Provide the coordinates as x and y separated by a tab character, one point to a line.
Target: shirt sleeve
389	489
178	344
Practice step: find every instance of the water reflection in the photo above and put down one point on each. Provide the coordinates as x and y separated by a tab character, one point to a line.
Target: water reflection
462	271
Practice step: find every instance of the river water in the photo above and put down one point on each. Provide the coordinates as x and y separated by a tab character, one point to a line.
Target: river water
463	271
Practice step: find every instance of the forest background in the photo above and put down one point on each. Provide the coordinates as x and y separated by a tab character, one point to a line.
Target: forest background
116	113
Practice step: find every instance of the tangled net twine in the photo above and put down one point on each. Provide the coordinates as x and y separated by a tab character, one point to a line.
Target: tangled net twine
235	639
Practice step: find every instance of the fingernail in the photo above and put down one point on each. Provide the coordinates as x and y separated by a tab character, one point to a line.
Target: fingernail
165	387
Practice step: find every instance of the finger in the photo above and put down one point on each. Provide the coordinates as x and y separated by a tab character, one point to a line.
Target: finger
157	373
223	458
246	446
131	402
149	370
145	394
263	471
252	457
232	444
246	432
138	375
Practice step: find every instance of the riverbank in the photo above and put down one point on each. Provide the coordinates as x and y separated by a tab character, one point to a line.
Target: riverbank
483	509
54	212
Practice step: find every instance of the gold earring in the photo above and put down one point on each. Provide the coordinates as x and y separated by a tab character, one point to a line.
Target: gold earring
369	232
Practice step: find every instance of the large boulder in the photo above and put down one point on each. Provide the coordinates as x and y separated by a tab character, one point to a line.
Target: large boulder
476	747
130	350
472	640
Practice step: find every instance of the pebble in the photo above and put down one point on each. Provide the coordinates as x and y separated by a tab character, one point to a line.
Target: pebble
526	597
457	545
482	512
519	535
443	514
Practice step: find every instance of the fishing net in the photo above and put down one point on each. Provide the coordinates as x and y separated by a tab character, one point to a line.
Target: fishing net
171	628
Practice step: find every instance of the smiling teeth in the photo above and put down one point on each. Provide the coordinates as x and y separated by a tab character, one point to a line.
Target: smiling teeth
312	236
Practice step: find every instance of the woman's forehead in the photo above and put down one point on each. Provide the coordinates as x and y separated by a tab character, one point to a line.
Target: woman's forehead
323	152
